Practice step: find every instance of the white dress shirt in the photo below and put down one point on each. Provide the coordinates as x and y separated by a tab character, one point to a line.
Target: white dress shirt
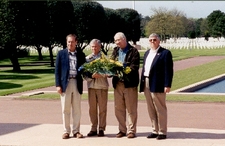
149	60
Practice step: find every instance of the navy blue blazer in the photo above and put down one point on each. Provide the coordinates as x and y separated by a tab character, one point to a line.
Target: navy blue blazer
62	68
161	72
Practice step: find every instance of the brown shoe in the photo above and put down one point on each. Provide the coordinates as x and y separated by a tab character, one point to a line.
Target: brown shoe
131	135
78	135
65	136
120	134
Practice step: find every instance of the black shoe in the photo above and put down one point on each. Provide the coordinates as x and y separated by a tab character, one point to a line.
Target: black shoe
101	133
120	134
152	135
92	133
161	137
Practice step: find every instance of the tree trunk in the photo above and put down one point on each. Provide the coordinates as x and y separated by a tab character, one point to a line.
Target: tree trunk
51	55
14	58
40	57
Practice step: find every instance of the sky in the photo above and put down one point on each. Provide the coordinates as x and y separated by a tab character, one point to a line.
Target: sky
192	9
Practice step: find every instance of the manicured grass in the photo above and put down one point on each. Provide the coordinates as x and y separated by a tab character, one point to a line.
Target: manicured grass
179	54
34	77
141	97
195	98
195	74
28	60
29	78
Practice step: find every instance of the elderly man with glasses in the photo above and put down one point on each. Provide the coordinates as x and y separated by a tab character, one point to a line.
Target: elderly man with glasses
156	81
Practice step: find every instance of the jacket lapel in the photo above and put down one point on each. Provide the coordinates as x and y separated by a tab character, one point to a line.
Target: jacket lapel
66	54
156	57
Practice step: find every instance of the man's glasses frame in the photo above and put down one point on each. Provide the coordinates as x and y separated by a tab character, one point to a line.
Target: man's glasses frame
152	40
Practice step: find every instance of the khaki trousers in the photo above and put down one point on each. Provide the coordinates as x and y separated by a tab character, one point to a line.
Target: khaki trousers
156	103
71	101
97	99
126	101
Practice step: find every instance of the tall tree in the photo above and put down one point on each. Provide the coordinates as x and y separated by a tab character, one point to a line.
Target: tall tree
219	27
159	22
191	27
61	23
166	23
204	27
24	23
7	28
132	24
12	29
144	22
212	18
36	14
91	21
198	27
113	24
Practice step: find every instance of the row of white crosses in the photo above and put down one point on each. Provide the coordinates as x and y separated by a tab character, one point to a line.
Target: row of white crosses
44	50
180	43
185	43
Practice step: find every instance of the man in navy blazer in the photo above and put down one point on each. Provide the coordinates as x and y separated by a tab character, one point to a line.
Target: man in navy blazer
156	81
69	84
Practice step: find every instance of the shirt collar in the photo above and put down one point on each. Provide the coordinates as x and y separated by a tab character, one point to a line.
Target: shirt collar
124	50
92	57
97	55
71	52
154	51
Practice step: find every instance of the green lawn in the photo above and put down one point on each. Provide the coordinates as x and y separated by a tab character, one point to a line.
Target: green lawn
29	78
141	97
195	74
33	77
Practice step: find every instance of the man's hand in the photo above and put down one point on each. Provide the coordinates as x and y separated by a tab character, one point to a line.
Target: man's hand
59	90
167	89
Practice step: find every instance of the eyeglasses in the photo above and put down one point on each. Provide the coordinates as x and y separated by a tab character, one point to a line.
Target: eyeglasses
117	40
152	40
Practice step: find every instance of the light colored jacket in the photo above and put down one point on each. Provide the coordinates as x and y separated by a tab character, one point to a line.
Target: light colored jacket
96	83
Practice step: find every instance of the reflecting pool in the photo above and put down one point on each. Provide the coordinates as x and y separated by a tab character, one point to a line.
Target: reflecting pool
218	87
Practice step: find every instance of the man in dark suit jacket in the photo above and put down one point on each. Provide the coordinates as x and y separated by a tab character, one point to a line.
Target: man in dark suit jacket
69	84
156	81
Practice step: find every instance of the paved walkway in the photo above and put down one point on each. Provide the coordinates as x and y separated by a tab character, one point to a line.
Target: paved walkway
38	122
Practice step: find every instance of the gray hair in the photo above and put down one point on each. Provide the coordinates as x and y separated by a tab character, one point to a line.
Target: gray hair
154	35
96	41
121	35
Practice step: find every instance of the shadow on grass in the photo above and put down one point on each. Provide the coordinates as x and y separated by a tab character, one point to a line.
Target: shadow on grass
4	85
33	71
17	77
